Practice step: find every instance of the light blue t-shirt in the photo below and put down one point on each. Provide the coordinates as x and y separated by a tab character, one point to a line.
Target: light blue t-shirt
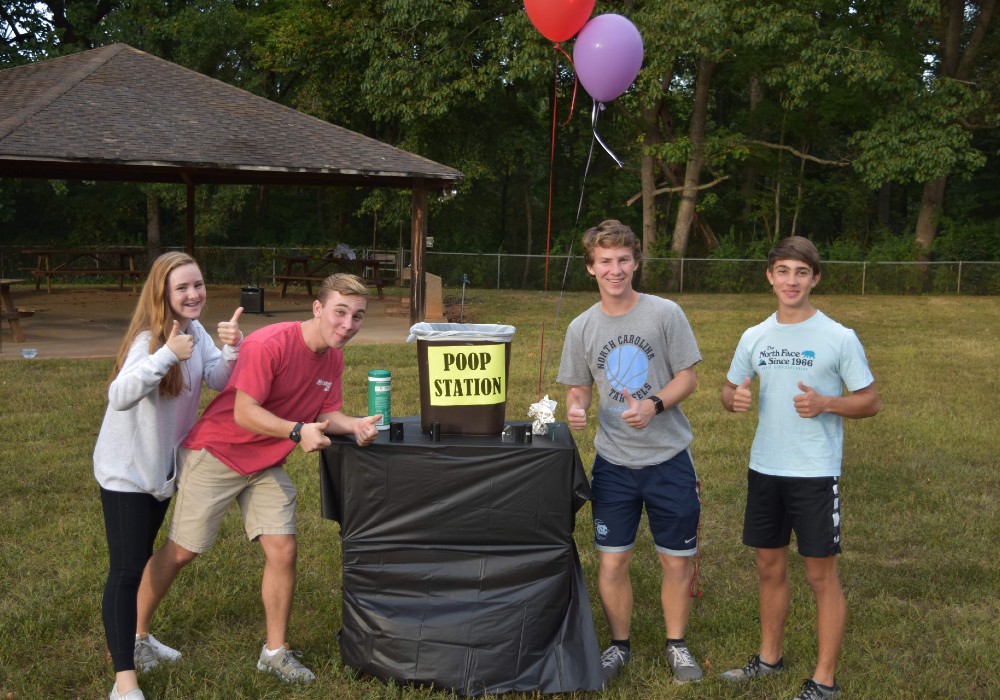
822	354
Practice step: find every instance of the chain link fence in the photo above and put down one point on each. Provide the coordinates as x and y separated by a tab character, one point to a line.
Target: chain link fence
713	275
258	266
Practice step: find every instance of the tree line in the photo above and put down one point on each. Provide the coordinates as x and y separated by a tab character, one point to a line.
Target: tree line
870	126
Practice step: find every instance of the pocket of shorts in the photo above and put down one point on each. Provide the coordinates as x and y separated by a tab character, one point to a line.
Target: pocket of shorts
192	460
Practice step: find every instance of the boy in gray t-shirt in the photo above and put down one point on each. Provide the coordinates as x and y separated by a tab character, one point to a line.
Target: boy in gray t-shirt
639	352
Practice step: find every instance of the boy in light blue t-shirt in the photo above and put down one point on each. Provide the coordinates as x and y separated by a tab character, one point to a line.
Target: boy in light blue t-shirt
803	361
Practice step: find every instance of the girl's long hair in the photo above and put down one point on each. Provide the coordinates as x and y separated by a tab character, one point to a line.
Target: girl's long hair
152	313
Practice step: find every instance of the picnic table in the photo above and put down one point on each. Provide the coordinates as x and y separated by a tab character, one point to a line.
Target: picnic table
305	269
120	262
11	312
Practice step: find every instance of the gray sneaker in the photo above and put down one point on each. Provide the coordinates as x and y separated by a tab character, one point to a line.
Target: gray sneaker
613	660
682	663
811	690
285	665
754	668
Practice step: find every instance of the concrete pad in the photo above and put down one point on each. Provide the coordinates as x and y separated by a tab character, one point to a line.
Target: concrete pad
78	322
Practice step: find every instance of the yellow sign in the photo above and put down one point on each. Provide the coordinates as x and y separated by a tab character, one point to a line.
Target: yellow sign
473	375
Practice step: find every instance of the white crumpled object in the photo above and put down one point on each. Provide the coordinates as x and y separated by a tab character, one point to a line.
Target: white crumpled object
544	412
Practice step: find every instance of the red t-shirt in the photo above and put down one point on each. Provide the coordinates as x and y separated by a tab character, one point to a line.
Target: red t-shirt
279	371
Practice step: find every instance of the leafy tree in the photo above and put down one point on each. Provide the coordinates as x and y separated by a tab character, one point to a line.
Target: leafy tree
843	119
942	94
26	32
442	80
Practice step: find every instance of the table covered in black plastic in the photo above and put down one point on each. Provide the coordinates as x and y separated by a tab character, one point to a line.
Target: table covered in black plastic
459	566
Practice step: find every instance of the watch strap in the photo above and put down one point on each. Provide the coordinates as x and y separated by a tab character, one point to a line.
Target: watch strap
296	433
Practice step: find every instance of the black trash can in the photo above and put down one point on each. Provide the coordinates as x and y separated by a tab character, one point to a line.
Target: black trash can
463	370
252	300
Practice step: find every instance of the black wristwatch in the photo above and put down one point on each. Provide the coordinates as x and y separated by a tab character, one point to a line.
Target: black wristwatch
296	433
657	403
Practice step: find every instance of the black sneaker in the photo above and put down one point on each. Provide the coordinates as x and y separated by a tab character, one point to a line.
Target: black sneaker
613	660
682	663
811	690
754	668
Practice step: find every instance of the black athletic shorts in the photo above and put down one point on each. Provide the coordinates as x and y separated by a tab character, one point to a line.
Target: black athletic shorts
777	505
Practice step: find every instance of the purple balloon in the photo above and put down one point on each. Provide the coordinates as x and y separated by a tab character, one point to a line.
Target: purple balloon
607	55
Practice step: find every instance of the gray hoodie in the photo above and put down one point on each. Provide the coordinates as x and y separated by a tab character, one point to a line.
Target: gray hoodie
137	445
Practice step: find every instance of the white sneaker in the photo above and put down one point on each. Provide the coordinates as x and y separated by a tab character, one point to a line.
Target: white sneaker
149	652
134	694
162	651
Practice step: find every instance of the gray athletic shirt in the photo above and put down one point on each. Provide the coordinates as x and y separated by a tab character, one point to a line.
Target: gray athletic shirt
640	350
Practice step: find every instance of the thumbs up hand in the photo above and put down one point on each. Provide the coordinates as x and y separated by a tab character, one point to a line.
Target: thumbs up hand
742	398
229	331
180	344
809	404
576	414
313	437
366	429
638	413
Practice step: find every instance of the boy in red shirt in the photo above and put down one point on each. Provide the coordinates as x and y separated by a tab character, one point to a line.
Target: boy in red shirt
285	391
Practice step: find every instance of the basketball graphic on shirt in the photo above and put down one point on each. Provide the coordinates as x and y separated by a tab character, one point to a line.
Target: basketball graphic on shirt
626	368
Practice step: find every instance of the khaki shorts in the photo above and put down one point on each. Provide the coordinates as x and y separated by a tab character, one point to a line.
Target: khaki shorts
205	489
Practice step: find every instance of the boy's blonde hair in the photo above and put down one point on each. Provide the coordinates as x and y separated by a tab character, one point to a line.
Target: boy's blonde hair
610	234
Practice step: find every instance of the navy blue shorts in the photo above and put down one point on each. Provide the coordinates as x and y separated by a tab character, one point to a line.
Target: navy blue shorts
776	505
668	490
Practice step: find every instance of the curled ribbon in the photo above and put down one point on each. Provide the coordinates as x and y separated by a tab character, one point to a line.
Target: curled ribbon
598	108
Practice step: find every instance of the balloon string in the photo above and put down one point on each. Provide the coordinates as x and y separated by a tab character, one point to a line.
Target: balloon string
555	321
541	364
586	169
576	81
598	108
552	160
552	149
543	351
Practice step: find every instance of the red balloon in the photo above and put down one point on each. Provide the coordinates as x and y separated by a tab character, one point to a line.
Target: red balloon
559	20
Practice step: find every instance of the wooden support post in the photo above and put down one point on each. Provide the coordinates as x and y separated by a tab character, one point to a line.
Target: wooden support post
189	227
418	246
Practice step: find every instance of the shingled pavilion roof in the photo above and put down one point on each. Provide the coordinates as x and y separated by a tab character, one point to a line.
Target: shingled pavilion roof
117	113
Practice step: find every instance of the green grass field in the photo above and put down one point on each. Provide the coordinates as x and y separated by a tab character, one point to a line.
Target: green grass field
921	522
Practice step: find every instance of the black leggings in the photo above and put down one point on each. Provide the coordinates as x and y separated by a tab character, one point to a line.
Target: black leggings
131	521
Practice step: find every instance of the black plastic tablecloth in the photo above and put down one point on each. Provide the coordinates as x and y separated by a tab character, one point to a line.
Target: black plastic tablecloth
459	562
